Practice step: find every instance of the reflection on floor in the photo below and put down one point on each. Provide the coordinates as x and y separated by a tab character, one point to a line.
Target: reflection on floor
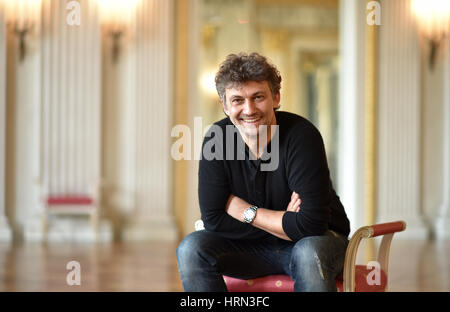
414	266
103	267
419	266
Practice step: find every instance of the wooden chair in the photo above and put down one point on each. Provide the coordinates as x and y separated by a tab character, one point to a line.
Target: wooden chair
354	277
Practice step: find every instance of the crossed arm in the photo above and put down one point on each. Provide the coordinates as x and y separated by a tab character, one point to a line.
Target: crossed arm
266	219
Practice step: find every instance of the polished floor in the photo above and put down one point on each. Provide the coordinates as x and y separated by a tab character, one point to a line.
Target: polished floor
414	266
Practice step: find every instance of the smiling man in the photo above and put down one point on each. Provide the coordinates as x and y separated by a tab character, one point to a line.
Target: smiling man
251	108
287	220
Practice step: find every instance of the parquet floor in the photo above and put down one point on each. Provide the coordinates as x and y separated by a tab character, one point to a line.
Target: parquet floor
151	266
103	267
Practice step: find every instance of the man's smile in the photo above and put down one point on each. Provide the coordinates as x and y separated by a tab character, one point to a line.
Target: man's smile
251	121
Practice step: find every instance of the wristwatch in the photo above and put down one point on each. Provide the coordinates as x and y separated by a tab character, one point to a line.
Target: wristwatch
250	214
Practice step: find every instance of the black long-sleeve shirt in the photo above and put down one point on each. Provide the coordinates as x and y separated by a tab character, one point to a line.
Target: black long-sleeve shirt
302	167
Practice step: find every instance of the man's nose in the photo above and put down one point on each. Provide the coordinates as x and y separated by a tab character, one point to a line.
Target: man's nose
249	107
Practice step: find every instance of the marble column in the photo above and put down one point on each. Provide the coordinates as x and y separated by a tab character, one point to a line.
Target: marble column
5	230
119	83
350	182
22	130
442	222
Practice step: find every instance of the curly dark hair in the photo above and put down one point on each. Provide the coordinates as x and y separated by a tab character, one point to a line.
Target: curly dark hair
240	68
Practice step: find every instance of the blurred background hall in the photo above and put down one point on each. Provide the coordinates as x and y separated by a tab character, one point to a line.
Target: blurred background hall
91	92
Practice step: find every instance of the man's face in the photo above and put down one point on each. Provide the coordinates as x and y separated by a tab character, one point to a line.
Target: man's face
251	105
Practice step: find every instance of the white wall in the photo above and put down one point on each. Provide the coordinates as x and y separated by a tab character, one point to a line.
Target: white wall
410	126
399	187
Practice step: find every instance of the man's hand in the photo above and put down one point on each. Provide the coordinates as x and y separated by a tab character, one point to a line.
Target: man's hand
294	204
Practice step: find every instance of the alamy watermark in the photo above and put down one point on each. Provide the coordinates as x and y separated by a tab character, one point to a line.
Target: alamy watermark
224	145
73	17
374	276
374	15
74	276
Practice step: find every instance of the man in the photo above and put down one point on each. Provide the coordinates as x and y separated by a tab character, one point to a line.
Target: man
287	220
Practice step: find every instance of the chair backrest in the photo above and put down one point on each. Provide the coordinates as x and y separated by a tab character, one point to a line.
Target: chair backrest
386	230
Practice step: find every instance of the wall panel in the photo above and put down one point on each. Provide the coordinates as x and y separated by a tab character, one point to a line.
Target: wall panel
400	123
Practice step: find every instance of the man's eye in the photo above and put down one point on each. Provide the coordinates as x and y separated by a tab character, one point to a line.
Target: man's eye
237	101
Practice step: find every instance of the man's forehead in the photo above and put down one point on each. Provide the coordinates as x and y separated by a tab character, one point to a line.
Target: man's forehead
248	86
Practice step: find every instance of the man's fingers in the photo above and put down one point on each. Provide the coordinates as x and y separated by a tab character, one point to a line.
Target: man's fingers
289	207
294	205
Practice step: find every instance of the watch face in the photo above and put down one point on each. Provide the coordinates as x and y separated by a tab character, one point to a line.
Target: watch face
249	214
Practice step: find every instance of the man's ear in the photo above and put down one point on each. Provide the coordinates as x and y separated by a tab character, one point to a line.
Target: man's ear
276	100
225	110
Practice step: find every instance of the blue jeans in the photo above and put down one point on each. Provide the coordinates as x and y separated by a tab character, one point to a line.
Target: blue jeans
313	262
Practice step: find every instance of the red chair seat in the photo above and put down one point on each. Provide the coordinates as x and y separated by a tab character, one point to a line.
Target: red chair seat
69	200
270	283
284	283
